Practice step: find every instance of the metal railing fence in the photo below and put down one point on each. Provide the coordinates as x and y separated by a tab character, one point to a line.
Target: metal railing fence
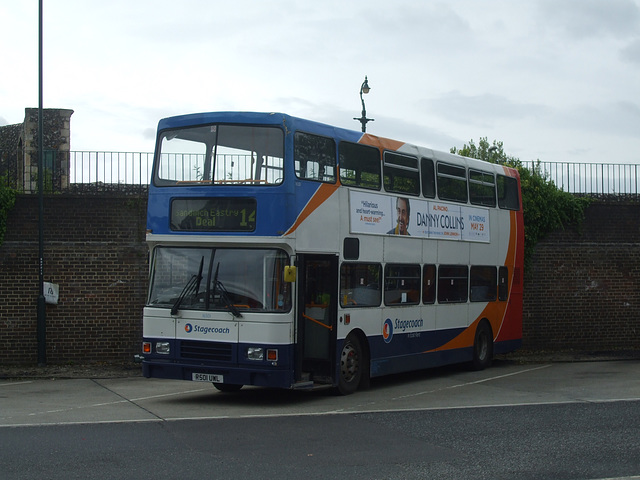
115	171
591	178
130	172
78	171
132	168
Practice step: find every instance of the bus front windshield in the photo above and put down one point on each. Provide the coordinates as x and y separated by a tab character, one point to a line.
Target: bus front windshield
220	155
228	279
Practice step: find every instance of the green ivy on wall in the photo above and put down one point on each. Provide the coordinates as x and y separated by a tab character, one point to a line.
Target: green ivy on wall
545	207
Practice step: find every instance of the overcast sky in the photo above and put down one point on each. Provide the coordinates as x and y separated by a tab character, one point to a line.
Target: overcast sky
555	80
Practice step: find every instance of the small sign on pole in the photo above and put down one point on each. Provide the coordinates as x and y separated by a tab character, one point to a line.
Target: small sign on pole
51	291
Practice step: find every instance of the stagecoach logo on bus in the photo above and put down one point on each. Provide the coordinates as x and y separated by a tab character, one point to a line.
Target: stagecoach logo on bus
402	326
205	330
387	330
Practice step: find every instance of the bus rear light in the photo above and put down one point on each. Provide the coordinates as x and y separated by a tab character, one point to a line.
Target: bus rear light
146	347
272	355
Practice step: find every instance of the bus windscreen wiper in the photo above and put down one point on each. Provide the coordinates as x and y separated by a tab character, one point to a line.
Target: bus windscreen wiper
217	285
192	287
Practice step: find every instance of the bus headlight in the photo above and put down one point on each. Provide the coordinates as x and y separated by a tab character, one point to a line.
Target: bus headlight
255	353
163	348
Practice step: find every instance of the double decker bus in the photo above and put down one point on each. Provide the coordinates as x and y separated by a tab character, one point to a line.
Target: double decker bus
289	253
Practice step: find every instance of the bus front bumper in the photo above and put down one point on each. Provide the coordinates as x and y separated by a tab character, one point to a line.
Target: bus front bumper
263	377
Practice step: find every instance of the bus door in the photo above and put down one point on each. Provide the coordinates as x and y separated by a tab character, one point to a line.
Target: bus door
317	315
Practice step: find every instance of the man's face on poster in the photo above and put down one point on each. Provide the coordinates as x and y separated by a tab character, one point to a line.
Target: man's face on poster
402	209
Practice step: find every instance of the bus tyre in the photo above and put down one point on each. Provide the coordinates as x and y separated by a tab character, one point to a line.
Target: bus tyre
482	347
227	387
352	362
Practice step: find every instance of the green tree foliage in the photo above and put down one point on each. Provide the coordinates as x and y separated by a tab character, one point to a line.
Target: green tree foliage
546	208
7	200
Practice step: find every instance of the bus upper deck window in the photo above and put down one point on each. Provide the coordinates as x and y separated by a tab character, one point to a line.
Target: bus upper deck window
452	183
482	188
359	165
508	193
315	157
220	155
401	173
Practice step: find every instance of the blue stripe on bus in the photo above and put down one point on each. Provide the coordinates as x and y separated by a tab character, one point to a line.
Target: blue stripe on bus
277	209
414	350
409	362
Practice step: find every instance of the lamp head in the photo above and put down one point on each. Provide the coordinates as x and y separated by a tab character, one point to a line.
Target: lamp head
365	86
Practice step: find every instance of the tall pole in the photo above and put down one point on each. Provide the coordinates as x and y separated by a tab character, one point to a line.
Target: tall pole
42	312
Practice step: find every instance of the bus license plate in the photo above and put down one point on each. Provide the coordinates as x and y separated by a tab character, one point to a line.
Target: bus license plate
207	377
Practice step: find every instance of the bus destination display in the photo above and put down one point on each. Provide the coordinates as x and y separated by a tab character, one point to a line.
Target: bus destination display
222	214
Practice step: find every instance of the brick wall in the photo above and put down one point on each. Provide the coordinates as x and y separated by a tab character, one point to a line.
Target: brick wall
95	251
582	292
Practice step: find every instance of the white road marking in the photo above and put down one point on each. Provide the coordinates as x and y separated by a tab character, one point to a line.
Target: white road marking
426	392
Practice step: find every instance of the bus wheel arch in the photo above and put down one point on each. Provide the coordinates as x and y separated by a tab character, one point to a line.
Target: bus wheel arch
482	346
353	368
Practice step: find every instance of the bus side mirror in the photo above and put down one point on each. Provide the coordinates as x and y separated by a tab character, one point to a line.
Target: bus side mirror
289	274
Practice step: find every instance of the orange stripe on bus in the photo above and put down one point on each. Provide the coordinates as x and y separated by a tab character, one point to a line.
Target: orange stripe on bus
381	142
323	193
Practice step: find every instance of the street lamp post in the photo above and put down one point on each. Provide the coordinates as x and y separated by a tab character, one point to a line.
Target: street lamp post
41	324
364	88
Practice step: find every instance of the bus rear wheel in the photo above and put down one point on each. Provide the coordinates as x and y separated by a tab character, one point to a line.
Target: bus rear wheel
352	364
482	347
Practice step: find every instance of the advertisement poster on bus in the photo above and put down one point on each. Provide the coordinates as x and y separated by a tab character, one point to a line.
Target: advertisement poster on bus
396	215
371	213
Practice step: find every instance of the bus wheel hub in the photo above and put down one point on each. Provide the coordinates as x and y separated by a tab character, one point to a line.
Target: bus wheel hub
348	362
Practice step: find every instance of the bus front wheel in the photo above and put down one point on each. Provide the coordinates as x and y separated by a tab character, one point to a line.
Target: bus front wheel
352	363
482	347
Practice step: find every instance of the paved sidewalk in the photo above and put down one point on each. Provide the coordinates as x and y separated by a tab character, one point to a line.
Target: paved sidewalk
92	370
